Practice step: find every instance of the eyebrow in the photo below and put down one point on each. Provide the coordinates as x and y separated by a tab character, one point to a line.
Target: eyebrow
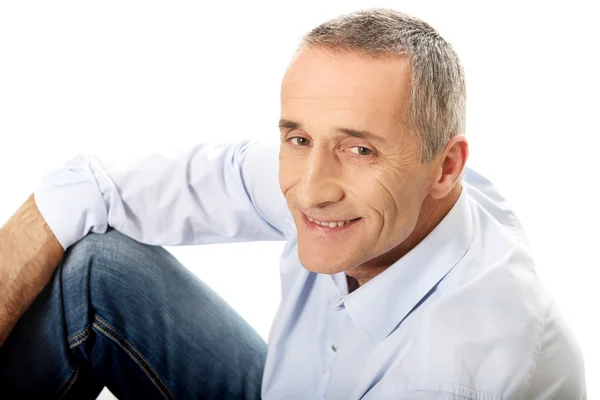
361	134
287	124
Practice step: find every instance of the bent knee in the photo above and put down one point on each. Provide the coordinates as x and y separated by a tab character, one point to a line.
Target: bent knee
112	250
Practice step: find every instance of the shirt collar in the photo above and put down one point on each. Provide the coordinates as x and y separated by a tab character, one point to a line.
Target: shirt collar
381	304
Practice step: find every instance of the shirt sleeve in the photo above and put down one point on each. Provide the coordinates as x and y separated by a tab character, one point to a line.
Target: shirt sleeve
559	371
210	193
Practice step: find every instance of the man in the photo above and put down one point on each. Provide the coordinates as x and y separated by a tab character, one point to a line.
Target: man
400	279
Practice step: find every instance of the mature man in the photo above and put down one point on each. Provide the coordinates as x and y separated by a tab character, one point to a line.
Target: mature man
404	273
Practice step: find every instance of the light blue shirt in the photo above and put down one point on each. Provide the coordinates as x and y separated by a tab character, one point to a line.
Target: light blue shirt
461	316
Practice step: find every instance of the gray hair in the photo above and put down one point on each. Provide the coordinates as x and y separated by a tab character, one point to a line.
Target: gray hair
437	89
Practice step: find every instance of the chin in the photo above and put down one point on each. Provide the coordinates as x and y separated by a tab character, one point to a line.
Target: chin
323	265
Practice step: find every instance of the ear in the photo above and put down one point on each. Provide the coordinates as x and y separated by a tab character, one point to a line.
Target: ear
448	165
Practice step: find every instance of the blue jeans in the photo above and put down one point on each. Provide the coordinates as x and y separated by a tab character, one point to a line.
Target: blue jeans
129	316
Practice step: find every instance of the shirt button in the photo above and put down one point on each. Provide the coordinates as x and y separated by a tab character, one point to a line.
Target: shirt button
336	300
333	348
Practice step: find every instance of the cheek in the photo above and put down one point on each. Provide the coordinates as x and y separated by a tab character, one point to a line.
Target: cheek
396	201
407	210
376	190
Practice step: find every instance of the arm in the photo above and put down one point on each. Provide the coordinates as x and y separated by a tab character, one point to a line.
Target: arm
29	254
209	194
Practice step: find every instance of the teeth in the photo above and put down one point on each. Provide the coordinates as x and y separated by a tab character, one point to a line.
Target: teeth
333	224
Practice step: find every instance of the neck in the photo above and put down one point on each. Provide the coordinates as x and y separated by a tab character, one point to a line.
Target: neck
432	213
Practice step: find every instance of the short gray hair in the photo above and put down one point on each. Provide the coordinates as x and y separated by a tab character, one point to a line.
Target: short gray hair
437	88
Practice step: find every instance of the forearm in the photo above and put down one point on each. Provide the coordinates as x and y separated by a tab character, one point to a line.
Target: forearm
29	254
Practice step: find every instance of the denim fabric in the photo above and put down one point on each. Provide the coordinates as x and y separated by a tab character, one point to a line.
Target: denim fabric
129	316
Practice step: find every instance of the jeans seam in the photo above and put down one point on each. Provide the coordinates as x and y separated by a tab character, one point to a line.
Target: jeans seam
81	340
72	377
83	332
137	357
68	382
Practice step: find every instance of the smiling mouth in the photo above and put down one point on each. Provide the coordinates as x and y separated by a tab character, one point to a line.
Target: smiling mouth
331	224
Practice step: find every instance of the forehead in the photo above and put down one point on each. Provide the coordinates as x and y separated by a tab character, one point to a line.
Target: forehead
346	88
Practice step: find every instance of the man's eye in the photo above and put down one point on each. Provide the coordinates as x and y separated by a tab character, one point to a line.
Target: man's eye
361	151
299	141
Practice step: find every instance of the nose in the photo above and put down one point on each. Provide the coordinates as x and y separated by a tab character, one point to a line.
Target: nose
320	183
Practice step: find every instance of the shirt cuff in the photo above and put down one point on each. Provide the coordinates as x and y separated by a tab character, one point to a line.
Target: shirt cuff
71	202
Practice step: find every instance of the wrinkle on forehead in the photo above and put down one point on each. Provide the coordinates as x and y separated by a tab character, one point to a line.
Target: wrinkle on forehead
330	93
323	107
333	95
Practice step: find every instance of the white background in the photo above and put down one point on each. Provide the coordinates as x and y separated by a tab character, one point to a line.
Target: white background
116	78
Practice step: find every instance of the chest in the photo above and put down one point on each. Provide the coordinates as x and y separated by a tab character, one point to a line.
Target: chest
315	349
